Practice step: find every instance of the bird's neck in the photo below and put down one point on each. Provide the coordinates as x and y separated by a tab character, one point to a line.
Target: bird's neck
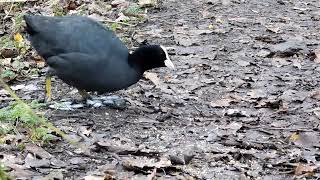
138	61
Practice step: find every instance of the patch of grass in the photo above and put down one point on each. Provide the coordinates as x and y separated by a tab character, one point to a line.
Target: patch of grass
7	74
42	134
115	26
82	11
125	40
58	10
3	173
18	114
7	42
18	23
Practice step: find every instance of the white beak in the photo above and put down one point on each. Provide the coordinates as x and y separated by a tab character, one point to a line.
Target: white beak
168	62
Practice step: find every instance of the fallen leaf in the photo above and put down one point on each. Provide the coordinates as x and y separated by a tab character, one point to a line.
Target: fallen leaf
147	3
221	103
315	94
274	29
93	177
18	37
305	139
37	151
236	113
144	163
294	137
233	127
32	161
305	169
153	77
317	53
257	94
226	101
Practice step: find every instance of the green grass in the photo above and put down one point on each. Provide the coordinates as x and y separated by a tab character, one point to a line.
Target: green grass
6	42
115	26
3	173
18	115
58	10
18	23
7	74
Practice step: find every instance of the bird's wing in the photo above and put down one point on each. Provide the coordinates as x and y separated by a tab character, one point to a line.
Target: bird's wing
56	35
77	69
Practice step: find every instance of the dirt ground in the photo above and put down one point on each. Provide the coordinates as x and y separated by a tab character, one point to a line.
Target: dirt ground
242	104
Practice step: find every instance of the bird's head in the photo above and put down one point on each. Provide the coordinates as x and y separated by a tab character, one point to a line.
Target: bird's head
151	56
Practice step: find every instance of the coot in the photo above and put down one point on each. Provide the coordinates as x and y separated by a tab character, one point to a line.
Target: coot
85	54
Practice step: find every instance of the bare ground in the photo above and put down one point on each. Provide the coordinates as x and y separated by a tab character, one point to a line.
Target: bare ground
242	104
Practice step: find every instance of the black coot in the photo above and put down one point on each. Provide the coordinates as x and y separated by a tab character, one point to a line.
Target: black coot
86	55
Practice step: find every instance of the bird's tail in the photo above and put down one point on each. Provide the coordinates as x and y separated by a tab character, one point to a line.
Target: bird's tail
30	28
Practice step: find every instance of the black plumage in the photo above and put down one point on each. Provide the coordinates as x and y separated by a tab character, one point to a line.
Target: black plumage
87	55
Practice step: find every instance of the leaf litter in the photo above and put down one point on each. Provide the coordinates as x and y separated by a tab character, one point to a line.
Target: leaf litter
242	104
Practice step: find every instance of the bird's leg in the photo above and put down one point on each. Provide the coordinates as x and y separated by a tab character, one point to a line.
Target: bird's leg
48	97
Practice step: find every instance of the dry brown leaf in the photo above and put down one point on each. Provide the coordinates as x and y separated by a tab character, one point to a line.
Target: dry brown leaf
153	77
18	38
305	169
315	94
317	53
38	151
221	103
226	101
294	137
305	139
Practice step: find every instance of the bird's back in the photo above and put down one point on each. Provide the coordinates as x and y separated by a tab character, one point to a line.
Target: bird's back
52	36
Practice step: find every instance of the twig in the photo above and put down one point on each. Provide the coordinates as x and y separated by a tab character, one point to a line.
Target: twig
8	13
123	23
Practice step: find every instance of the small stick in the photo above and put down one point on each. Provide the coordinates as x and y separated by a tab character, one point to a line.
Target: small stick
123	23
8	13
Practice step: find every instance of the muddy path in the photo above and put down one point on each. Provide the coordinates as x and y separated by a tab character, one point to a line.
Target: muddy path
242	104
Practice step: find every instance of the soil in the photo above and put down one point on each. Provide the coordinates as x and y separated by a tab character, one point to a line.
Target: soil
242	104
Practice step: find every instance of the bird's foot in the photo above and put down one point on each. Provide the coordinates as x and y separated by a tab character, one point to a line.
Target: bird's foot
114	101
